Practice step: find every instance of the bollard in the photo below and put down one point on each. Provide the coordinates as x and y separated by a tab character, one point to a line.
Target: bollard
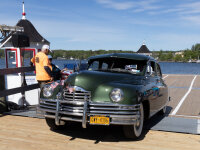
3	104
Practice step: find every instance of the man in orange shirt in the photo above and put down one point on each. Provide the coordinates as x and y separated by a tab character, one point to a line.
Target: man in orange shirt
42	66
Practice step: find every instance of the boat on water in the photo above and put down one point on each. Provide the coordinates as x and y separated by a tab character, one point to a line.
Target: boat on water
192	61
198	60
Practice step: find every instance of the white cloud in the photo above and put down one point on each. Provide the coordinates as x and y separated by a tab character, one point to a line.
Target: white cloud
138	6
184	9
116	5
194	19
190	8
189	12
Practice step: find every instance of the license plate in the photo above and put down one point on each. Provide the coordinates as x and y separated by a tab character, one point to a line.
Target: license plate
101	120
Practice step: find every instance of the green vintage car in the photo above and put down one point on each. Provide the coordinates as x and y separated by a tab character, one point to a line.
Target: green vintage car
116	89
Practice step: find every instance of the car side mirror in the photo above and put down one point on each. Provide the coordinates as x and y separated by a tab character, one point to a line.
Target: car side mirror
150	71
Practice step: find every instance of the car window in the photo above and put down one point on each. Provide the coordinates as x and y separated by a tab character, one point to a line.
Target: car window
104	65
94	66
158	71
133	68
151	69
117	65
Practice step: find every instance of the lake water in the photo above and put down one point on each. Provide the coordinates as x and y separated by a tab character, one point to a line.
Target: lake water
166	67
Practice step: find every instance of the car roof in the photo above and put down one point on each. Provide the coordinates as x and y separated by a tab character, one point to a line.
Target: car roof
122	55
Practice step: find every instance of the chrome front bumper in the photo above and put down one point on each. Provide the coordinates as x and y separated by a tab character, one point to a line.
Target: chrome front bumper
80	111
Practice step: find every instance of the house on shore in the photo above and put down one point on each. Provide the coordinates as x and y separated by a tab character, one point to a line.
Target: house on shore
144	50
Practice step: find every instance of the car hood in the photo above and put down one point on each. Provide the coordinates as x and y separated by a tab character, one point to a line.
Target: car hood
90	80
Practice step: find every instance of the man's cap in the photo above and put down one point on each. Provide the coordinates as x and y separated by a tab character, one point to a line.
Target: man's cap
49	57
47	47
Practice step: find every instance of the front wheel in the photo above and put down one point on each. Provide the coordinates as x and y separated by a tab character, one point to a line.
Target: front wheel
135	131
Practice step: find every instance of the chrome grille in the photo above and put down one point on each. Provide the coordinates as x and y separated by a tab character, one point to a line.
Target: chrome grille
77	106
113	109
74	111
76	95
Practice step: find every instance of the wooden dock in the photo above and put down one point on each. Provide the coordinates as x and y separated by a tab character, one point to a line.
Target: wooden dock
183	116
23	133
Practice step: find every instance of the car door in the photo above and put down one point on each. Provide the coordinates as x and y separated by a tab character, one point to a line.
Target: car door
152	87
162	88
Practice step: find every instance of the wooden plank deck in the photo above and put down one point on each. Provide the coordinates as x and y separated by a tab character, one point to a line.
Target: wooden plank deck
23	133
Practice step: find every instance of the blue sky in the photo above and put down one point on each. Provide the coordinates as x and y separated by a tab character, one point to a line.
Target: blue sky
110	24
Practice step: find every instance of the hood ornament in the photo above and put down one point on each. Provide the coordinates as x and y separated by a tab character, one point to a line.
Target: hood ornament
72	89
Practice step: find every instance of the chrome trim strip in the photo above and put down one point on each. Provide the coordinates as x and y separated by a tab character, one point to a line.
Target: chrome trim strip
69	96
62	101
63	118
115	109
71	113
132	122
47	103
112	105
57	119
74	99
49	107
77	94
84	120
61	112
72	102
124	117
71	108
114	112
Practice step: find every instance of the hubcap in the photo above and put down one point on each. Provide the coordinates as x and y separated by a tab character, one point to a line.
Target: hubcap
139	123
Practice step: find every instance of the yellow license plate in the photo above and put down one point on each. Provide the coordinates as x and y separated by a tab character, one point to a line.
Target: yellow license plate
101	120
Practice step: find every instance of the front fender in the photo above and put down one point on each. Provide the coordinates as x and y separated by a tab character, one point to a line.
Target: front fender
131	93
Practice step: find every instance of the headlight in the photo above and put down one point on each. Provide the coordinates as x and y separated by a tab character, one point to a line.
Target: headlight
47	91
116	95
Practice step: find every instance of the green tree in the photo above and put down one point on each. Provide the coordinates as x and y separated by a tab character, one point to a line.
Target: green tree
196	47
178	58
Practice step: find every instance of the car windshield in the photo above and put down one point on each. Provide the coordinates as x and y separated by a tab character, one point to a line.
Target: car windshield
121	65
